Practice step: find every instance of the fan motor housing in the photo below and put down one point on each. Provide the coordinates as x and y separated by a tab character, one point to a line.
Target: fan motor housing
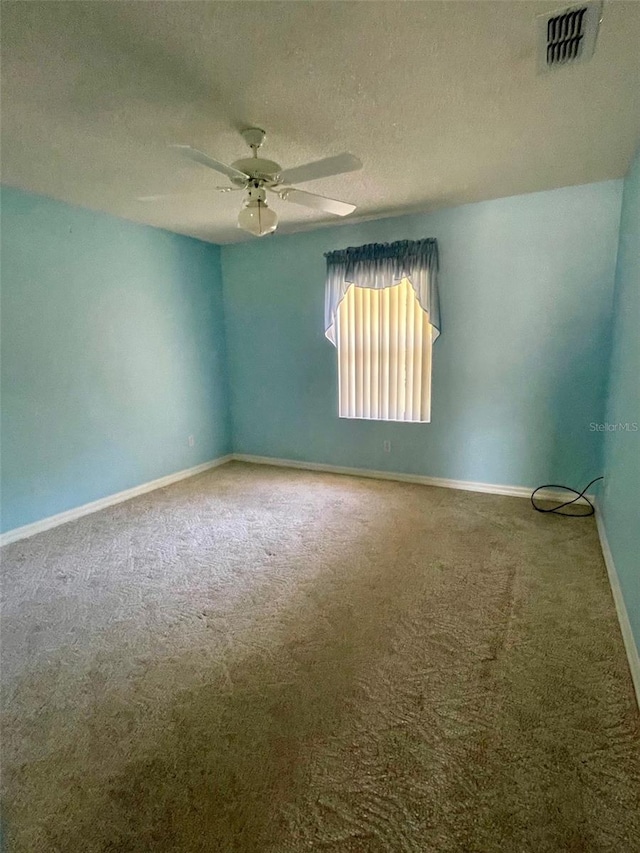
258	169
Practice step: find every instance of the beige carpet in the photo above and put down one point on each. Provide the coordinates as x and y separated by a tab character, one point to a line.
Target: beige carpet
267	660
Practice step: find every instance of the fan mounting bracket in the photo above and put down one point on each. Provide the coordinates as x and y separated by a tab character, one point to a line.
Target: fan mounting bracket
253	136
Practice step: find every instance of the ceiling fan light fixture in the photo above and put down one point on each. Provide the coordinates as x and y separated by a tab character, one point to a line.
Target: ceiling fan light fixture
257	218
257	175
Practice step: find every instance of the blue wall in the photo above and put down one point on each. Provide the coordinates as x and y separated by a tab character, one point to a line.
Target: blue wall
114	348
113	353
621	497
520	370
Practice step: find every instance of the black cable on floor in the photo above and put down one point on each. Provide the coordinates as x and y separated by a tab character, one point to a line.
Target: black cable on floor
578	495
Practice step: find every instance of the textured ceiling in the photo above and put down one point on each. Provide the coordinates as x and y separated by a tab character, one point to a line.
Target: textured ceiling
442	101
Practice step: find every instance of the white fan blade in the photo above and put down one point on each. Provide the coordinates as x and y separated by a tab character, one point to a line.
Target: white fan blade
163	196
337	165
205	160
319	202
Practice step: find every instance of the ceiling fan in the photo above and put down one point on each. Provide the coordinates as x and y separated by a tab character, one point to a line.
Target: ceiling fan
258	176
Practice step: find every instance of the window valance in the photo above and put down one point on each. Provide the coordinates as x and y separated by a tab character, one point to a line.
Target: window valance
380	265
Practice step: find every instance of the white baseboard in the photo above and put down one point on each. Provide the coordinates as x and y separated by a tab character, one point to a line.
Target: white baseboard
71	514
623	617
467	486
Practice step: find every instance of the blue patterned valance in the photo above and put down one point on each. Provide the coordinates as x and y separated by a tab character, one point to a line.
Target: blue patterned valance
380	265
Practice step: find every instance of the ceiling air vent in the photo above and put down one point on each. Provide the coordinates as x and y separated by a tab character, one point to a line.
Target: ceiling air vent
568	35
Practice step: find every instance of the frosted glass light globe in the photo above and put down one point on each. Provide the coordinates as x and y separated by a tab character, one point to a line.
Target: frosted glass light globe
257	218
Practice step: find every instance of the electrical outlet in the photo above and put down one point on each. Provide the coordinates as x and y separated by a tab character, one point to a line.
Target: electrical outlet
192	441
387	446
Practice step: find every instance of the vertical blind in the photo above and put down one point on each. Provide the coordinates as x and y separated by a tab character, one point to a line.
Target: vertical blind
384	340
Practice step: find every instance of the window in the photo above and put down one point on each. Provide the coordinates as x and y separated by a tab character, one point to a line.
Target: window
384	355
382	314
